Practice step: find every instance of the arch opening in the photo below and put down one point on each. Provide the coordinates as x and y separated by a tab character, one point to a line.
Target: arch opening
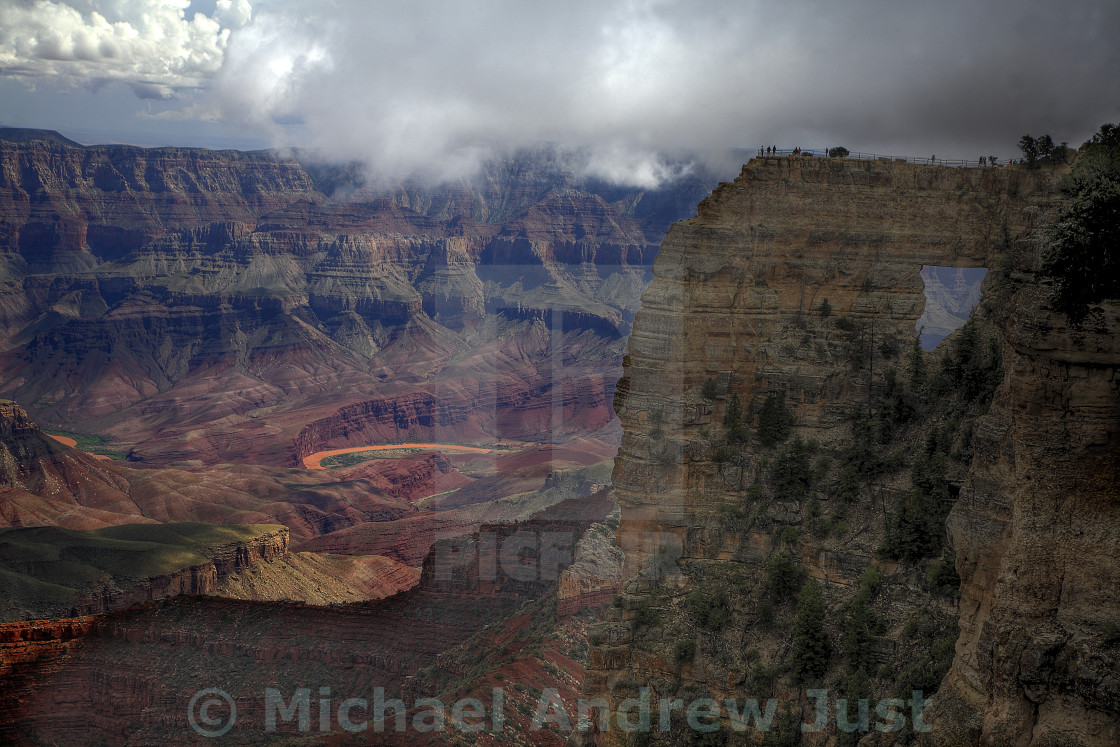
951	295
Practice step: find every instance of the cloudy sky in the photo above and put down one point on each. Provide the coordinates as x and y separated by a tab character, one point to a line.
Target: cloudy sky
435	86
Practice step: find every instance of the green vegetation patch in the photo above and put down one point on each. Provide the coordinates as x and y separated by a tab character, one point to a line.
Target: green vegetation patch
1082	257
92	443
360	457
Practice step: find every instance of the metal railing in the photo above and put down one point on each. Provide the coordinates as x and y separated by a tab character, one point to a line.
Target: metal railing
985	161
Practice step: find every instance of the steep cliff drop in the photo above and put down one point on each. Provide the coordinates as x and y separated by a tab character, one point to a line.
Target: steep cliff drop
1037	532
786	438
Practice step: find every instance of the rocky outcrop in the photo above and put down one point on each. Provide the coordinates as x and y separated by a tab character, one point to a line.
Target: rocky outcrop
317	578
737	308
736	297
593	578
203	578
22	446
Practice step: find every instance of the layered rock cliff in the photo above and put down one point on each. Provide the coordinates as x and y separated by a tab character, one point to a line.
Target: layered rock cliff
1037	543
723	516
51	572
221	306
221	561
736	297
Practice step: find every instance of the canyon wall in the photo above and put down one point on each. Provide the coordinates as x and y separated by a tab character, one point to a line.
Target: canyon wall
1037	543
801	280
223	306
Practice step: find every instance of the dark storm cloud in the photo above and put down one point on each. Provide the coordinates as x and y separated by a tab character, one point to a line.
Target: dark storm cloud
972	75
437	86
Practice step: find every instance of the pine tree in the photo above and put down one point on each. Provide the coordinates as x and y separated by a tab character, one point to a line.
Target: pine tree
858	639
811	647
785	731
791	475
774	420
917	366
1083	258
708	391
858	648
733	419
784	578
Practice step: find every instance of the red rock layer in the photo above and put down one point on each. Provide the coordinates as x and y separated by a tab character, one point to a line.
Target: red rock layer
134	674
407	478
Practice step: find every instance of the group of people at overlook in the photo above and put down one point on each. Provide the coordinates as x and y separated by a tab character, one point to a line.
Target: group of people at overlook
773	150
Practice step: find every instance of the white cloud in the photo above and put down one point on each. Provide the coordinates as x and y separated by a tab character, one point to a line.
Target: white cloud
437	85
195	111
154	46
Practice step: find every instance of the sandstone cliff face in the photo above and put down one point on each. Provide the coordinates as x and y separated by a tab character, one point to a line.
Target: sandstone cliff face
28	650
106	200
731	286
1036	532
736	298
25	642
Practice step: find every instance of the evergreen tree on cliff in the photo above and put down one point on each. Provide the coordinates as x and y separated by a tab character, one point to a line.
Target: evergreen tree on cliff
774	420
811	647
1084	255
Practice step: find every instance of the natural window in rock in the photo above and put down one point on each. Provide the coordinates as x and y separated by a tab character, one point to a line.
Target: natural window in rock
951	294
